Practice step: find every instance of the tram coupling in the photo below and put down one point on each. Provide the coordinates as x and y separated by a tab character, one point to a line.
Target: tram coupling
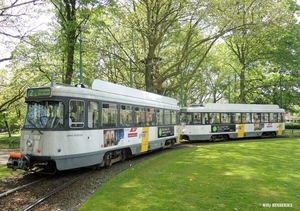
18	161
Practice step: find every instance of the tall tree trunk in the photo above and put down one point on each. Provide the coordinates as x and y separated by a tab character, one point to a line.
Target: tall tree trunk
8	129
149	70
69	27
242	86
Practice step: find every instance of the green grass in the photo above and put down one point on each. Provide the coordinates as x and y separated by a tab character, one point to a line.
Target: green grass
237	175
292	132
5	172
7	142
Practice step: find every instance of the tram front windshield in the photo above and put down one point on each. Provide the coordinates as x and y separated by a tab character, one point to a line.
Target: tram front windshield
44	114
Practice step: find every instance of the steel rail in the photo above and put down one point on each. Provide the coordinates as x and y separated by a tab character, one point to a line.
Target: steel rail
20	187
38	201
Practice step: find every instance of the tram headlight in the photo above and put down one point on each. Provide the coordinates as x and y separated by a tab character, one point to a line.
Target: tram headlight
29	143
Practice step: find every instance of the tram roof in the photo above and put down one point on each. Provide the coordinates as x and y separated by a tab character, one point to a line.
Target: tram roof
110	92
217	107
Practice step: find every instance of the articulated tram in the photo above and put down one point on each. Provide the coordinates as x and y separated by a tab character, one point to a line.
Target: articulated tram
214	121
69	127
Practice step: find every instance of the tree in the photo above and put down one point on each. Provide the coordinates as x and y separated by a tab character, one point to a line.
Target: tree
9	100
168	38
16	23
72	15
252	44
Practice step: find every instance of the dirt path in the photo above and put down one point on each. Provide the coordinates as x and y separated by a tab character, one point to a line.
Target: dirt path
4	155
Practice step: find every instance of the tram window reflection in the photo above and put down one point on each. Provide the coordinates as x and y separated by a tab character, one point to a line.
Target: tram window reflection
150	116
174	117
109	114
76	113
93	112
167	117
159	116
140	116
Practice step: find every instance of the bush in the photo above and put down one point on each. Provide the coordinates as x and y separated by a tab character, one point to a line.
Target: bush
292	126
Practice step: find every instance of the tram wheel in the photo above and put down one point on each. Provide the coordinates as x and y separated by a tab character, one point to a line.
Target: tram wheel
172	143
123	155
108	161
213	138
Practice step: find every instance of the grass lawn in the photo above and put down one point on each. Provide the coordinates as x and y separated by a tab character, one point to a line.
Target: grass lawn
5	172
292	132
6	143
238	175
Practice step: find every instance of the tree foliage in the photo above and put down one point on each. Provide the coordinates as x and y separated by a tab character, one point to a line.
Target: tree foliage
253	44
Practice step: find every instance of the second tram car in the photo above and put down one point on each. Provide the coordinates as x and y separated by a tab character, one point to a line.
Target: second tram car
214	121
68	127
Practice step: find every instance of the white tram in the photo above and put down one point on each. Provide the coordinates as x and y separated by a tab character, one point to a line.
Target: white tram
231	121
69	127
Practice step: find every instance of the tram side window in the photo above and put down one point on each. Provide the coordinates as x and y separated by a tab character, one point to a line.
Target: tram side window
109	115
93	111
281	117
140	116
76	113
150	116
159	116
246	117
273	117
126	115
188	118
225	118
174	116
214	118
236	118
257	118
167	117
277	117
265	117
205	118
197	118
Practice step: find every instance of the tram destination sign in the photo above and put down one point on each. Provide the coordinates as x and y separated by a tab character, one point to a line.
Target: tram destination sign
39	92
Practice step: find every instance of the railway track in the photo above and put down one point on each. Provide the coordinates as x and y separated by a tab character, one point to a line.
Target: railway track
31	192
65	191
28	196
20	187
54	191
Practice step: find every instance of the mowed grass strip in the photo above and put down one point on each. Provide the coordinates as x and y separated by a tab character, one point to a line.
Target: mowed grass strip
238	175
6	172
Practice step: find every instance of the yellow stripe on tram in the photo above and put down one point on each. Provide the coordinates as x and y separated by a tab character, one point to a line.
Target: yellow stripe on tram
179	129
145	139
241	130
280	129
